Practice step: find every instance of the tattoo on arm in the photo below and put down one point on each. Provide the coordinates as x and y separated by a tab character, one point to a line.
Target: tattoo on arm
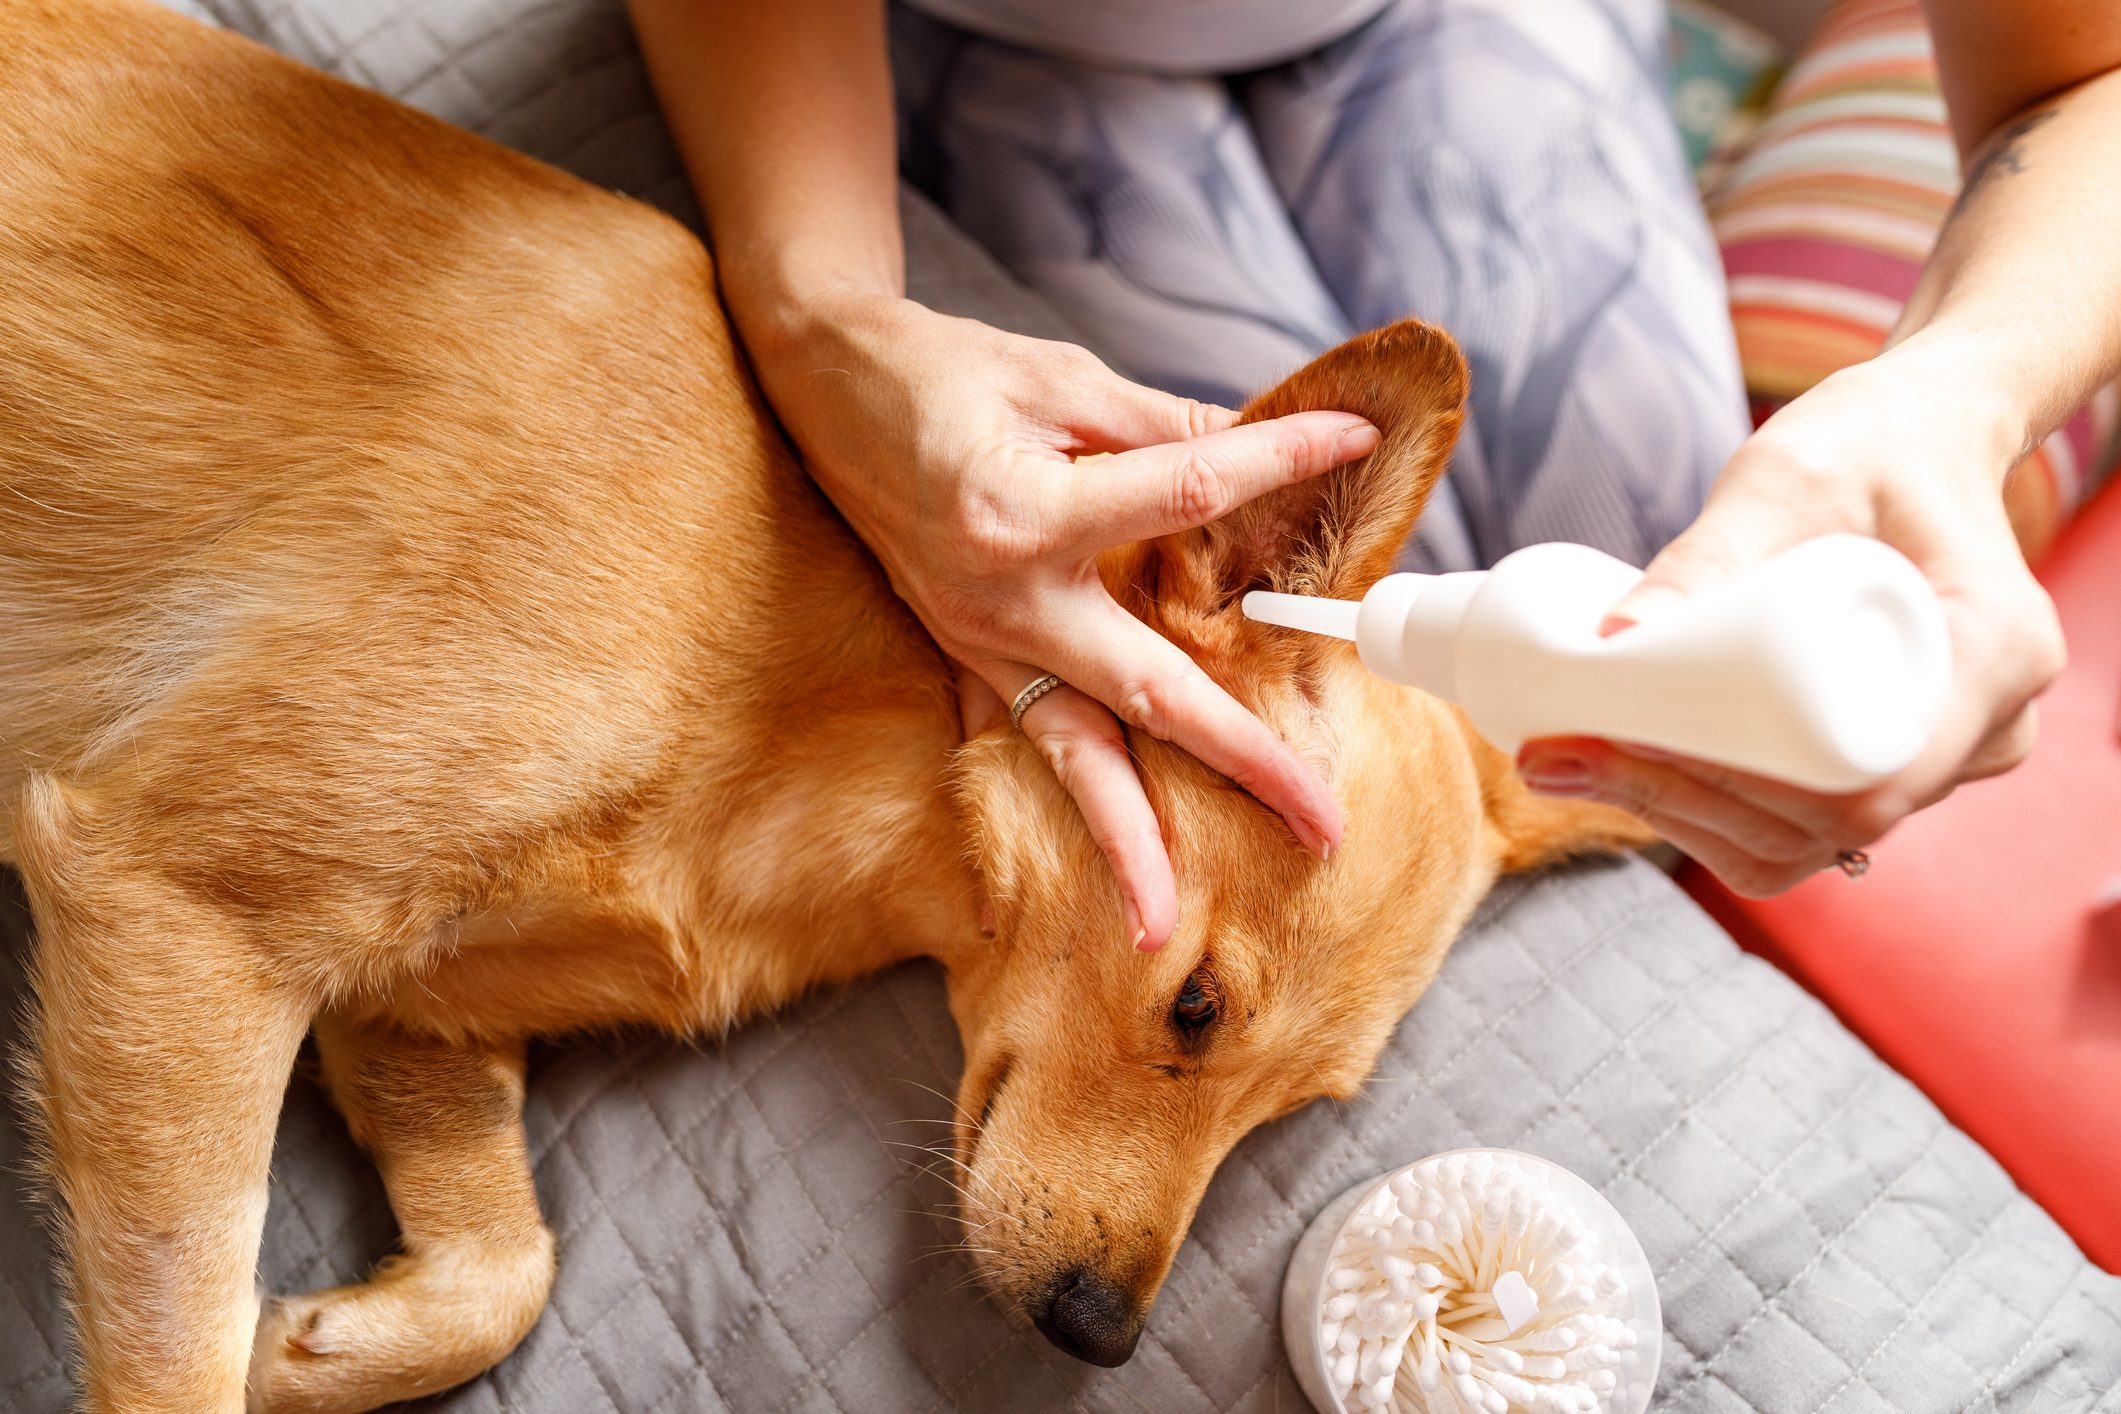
2001	155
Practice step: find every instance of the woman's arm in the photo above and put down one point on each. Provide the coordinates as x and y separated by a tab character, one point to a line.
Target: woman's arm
2025	281
2016	320
2000	59
949	446
782	112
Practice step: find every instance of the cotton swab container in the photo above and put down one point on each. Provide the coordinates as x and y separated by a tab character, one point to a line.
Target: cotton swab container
1479	1281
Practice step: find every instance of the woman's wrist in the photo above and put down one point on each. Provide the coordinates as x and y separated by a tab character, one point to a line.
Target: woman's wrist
782	306
1968	391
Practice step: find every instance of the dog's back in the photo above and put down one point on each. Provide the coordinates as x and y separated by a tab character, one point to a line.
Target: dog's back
388	535
286	367
389	532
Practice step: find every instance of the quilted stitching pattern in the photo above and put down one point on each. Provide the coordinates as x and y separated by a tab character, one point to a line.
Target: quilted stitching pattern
741	1229
745	1226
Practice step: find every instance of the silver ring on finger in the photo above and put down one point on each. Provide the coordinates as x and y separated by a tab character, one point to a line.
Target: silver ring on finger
1038	688
1852	862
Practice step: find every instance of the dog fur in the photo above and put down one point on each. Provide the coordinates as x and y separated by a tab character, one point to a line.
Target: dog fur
418	634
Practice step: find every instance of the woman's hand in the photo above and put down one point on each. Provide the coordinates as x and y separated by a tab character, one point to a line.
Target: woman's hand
1901	448
2016	319
949	447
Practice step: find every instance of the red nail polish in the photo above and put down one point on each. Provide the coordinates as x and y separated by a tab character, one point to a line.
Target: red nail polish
1552	774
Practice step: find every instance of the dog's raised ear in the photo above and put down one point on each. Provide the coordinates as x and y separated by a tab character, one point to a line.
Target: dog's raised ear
1336	533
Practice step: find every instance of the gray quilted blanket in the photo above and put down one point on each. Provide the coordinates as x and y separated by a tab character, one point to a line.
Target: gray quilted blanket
755	1225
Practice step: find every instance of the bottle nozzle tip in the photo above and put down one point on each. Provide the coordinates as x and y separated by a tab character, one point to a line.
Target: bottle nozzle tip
1335	618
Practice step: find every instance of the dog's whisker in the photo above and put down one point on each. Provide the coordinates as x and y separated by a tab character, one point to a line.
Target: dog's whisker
950	1100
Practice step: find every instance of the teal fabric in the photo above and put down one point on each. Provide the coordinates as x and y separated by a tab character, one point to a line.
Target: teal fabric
1722	71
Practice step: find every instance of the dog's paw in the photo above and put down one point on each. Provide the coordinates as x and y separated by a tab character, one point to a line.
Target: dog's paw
305	1330
293	1331
419	1324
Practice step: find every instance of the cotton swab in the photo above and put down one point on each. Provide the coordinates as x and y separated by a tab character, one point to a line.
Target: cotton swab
1468	1284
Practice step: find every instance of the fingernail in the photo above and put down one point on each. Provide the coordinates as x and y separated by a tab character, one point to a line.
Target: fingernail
1557	775
1130	922
1309	834
1639	605
1352	442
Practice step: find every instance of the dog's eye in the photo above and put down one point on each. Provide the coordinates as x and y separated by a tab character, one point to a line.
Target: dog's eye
1195	1006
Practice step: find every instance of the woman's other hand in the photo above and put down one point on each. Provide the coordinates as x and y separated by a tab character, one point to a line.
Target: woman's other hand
2016	319
1903	448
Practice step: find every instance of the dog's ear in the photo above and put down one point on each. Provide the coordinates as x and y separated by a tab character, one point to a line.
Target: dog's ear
1336	533
1529	830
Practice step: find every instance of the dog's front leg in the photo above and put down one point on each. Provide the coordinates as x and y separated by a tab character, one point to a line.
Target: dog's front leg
444	1123
162	1051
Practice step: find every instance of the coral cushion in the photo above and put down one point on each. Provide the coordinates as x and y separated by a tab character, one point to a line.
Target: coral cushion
1981	954
1825	213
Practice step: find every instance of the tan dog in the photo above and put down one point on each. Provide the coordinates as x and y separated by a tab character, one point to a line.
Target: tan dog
416	631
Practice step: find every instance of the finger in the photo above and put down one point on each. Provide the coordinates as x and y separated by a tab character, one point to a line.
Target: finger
979	706
1154	491
1849	821
2003	748
1117	415
1808	811
1145	678
1741	873
1989	724
1734	531
1083	744
2007	648
1740	870
1596	770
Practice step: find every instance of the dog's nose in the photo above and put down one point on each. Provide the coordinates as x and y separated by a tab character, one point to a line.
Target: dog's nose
1091	1319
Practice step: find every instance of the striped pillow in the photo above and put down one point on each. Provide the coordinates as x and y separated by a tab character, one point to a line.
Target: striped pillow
1825	215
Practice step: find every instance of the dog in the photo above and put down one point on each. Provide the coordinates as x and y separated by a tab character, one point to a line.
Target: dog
419	636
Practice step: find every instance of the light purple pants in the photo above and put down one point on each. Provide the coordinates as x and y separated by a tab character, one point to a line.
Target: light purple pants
1507	169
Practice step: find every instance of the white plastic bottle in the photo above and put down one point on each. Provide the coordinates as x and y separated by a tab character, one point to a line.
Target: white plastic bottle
1825	666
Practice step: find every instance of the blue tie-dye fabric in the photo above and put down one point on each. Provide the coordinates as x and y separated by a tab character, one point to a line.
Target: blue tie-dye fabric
1507	170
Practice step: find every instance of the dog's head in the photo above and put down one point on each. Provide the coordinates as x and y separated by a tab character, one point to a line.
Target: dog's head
1102	1087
